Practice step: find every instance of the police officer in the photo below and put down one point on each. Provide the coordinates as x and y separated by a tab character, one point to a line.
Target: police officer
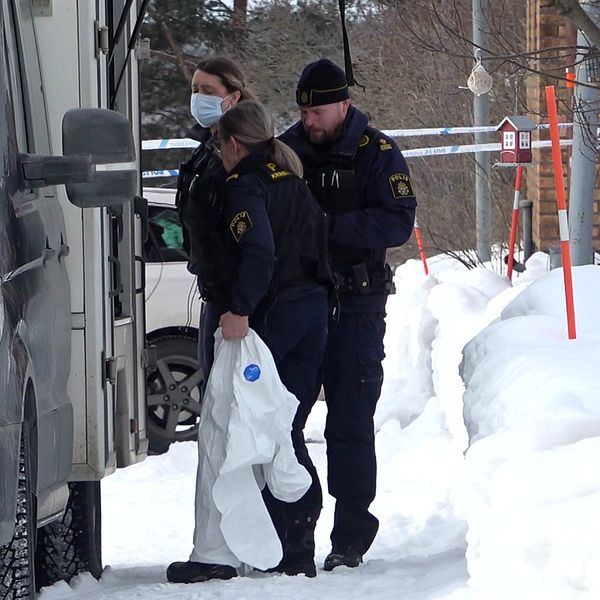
273	233
361	180
217	85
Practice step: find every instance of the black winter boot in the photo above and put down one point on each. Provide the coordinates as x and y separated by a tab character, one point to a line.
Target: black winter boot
345	556
299	549
195	572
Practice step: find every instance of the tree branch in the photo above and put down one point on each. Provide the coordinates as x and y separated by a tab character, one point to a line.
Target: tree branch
574	11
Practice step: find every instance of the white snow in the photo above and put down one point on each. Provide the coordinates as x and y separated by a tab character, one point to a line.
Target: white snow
488	482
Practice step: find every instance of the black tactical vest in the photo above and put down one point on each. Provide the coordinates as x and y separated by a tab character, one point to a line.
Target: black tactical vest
199	201
334	182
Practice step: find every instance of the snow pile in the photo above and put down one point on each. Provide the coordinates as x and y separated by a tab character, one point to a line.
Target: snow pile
523	404
531	487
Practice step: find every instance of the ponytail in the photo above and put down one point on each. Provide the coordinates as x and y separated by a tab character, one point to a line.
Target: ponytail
285	157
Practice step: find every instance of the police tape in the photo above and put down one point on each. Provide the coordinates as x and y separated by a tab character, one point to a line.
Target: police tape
412	153
453	130
469	148
189	143
160	173
169	144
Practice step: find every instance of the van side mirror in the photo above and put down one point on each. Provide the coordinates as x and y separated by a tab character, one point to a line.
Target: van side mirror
105	136
98	166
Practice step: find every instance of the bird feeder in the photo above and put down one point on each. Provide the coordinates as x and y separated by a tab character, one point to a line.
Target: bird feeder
516	140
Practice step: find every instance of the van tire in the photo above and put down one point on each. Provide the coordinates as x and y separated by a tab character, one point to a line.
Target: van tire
17	573
72	544
179	354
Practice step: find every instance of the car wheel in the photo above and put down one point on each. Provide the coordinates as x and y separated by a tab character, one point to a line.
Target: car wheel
174	392
17	579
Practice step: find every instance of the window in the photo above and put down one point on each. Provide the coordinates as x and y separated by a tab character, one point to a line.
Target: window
29	73
524	140
509	140
165	236
11	54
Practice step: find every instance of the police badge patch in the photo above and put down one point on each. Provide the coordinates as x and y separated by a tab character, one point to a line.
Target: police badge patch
240	224
400	184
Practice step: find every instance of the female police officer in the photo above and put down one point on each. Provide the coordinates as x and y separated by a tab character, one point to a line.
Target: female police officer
273	237
217	85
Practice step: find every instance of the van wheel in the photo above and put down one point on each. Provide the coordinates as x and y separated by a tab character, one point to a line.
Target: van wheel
72	544
174	393
17	557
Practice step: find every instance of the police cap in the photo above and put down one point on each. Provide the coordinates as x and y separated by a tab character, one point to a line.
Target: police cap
321	82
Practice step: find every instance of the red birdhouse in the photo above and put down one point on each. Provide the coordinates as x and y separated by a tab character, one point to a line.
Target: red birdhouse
516	140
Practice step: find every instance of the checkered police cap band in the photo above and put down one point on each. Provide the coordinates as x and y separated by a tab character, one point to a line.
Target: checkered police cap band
322	82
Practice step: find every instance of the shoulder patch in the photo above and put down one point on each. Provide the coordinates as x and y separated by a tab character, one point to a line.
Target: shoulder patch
280	174
276	172
364	141
401	186
232	177
384	144
240	225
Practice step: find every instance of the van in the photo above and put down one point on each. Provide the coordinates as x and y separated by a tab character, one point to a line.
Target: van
73	355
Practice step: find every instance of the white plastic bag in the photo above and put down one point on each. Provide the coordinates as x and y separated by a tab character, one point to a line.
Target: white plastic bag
244	440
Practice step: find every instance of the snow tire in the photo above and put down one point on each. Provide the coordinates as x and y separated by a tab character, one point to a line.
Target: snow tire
17	579
72	544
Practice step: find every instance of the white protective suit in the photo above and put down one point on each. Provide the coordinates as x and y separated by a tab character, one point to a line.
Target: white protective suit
244	441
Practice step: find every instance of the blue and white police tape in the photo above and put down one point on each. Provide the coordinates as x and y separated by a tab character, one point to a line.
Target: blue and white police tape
412	153
169	144
189	143
469	148
452	130
160	173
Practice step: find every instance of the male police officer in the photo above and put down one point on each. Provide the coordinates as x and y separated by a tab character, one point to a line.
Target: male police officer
361	180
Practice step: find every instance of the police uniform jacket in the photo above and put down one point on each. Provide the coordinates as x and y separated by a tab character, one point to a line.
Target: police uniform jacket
362	182
277	234
199	200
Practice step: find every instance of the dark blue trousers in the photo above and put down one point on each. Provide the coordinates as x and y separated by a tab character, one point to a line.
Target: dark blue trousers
353	375
296	334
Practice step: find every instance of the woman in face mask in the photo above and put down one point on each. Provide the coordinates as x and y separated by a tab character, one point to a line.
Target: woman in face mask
218	84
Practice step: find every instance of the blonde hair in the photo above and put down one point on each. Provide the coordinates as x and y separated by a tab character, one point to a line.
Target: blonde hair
229	73
252	126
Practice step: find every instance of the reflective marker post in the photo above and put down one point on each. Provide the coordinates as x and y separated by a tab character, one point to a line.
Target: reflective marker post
562	210
514	222
421	247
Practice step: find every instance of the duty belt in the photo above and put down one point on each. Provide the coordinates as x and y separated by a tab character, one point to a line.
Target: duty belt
363	283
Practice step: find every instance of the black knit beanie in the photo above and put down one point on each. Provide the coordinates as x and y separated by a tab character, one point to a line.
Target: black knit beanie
321	82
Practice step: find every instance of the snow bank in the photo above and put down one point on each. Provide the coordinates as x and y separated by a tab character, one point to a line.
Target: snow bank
530	489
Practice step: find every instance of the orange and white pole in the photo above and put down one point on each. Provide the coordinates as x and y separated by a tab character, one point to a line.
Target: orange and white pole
563	222
421	247
514	222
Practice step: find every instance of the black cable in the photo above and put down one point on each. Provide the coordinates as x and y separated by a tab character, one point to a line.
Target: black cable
130	46
347	57
119	30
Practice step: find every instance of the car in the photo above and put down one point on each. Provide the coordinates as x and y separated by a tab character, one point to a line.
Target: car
172	315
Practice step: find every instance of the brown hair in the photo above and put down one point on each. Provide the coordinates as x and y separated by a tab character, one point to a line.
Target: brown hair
229	73
252	126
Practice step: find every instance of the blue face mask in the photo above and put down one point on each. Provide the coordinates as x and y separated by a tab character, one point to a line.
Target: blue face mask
206	109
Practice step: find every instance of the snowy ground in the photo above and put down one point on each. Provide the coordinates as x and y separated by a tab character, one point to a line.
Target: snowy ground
510	448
